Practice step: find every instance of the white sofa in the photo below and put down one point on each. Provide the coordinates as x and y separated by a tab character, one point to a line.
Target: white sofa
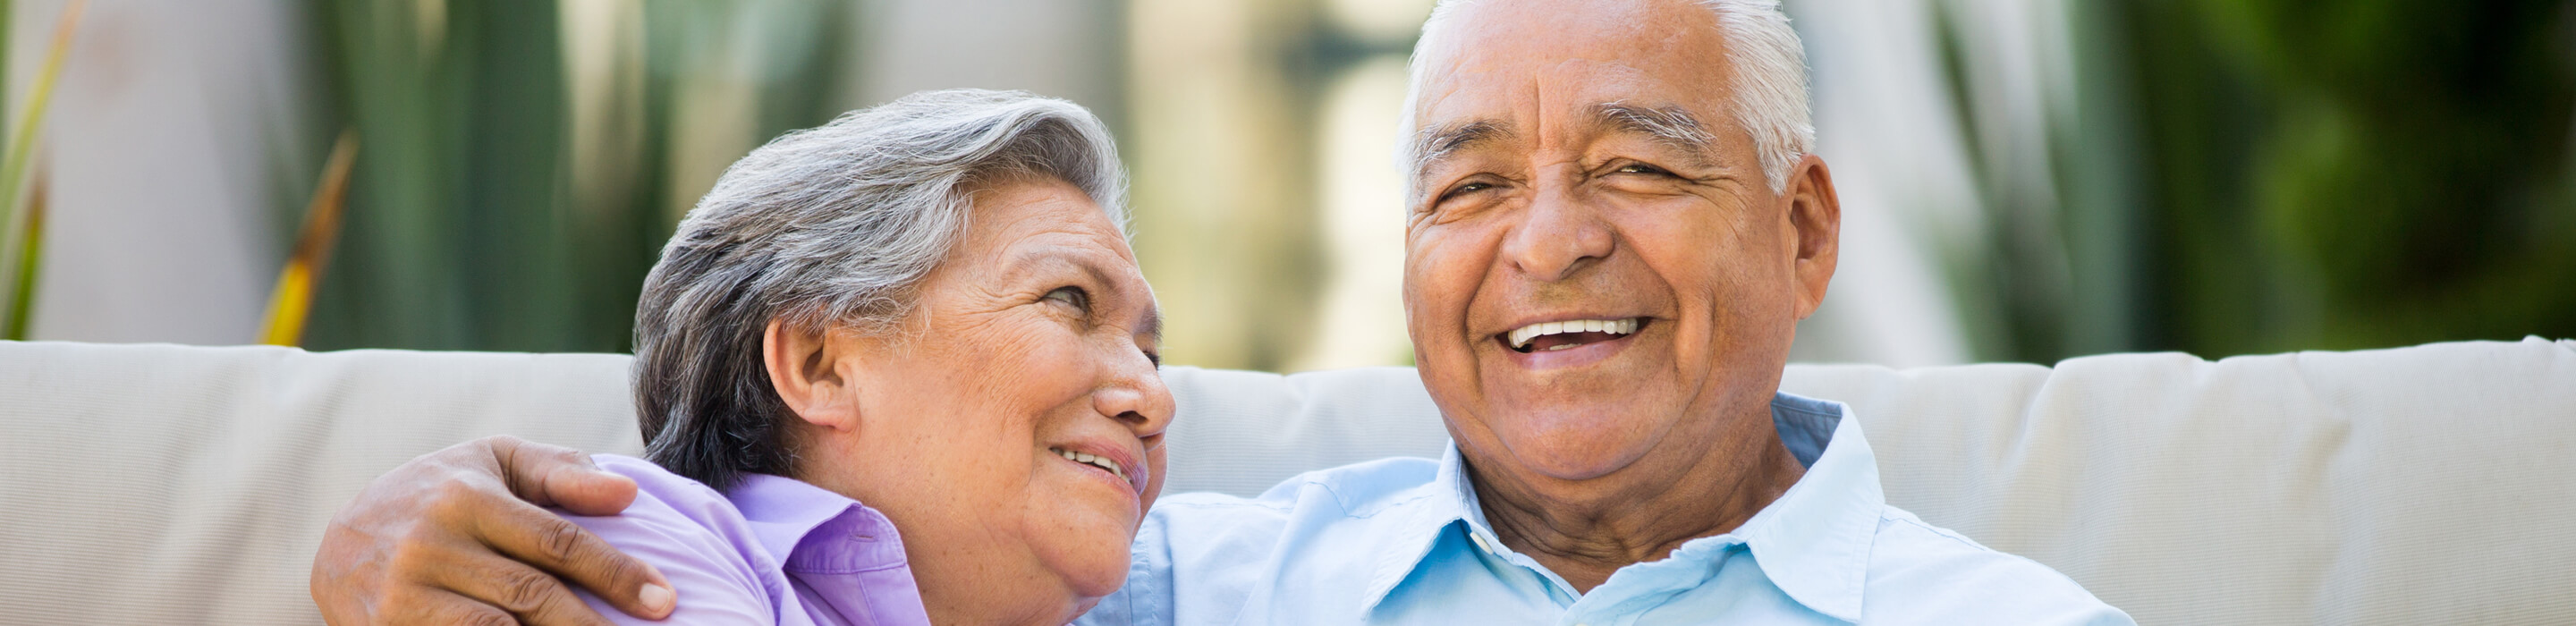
153	484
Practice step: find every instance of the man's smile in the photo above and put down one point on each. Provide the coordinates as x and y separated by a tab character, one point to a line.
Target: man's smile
1569	341
1570	334
1551	336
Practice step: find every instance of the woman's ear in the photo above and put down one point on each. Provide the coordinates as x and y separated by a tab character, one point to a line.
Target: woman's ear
807	369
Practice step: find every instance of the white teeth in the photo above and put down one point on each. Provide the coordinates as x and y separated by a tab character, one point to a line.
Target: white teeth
1098	461
1520	337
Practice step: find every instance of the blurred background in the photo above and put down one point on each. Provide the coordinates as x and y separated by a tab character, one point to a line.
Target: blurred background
2022	180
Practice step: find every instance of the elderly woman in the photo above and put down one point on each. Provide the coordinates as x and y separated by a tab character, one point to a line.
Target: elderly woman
899	369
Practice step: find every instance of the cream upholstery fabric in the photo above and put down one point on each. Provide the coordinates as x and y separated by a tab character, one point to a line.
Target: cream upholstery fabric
155	484
2426	485
167	484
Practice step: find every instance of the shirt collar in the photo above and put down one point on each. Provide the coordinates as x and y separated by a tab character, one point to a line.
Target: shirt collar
1813	542
814	530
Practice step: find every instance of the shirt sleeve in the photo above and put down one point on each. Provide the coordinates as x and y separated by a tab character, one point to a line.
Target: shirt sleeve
716	583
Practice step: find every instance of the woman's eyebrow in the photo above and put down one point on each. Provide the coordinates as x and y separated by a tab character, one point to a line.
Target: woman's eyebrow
1152	325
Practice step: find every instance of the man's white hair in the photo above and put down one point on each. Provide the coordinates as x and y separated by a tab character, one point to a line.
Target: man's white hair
1769	69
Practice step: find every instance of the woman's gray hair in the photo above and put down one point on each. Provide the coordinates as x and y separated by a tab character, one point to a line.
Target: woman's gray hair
829	227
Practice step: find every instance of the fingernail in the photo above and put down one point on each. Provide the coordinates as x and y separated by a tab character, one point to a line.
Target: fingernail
655	597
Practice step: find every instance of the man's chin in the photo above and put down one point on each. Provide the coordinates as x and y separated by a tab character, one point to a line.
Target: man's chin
1573	449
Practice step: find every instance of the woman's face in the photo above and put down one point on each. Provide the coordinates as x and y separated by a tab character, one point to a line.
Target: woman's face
1034	341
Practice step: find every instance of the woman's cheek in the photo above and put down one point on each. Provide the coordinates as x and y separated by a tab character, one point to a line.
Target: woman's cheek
1154	464
1100	562
1085	548
1028	365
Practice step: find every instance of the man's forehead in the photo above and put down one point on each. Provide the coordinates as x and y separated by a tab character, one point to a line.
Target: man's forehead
1502	60
1512	32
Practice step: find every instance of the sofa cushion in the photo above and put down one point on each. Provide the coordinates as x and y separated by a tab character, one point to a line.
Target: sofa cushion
157	484
2412	486
2432	484
160	484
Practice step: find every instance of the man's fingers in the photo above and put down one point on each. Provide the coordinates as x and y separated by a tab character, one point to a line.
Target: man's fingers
530	597
548	542
438	606
558	476
589	491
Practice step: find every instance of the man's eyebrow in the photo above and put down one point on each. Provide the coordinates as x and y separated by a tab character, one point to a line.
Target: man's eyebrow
1438	142
1671	125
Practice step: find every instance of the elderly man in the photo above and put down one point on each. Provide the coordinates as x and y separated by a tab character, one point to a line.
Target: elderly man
1613	227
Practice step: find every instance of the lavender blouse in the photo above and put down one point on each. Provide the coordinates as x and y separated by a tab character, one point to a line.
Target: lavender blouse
774	551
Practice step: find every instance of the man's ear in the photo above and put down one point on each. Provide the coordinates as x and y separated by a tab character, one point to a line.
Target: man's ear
807	370
1816	216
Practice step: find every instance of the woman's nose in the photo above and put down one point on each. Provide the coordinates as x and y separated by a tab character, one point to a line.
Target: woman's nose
1138	399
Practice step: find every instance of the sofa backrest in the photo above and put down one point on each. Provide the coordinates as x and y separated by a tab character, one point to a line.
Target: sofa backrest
169	484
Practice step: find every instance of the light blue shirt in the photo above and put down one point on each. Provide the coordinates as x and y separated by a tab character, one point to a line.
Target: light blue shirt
1402	541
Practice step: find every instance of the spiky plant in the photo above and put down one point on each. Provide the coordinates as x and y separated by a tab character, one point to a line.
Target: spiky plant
21	224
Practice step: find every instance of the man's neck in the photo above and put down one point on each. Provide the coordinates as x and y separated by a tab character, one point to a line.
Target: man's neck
1586	530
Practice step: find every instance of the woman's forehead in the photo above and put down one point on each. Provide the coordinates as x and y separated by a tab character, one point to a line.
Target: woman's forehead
1036	206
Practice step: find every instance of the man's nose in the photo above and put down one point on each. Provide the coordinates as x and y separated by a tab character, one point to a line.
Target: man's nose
1557	237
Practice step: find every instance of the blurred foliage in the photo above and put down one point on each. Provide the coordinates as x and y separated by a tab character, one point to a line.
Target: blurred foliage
483	215
2229	176
2375	173
22	214
2252	176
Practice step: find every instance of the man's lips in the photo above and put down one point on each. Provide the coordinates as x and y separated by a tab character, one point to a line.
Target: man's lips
1566	334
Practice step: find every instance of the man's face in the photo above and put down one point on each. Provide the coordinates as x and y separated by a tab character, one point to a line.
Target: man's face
1581	165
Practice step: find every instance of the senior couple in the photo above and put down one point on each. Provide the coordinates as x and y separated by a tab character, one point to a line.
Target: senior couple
900	369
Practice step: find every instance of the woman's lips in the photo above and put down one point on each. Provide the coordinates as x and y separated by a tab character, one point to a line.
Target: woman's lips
1100	462
1124	469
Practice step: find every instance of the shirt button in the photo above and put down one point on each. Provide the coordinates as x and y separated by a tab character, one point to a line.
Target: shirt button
1488	547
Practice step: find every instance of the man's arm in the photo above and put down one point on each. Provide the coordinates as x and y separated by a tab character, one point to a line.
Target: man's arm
457	536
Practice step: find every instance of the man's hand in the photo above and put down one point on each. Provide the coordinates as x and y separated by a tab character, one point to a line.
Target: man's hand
457	536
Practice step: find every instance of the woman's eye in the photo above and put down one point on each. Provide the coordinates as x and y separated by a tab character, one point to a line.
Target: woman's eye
1071	296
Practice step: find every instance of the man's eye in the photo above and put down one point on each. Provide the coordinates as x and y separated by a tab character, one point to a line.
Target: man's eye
1466	188
1641	168
1071	296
